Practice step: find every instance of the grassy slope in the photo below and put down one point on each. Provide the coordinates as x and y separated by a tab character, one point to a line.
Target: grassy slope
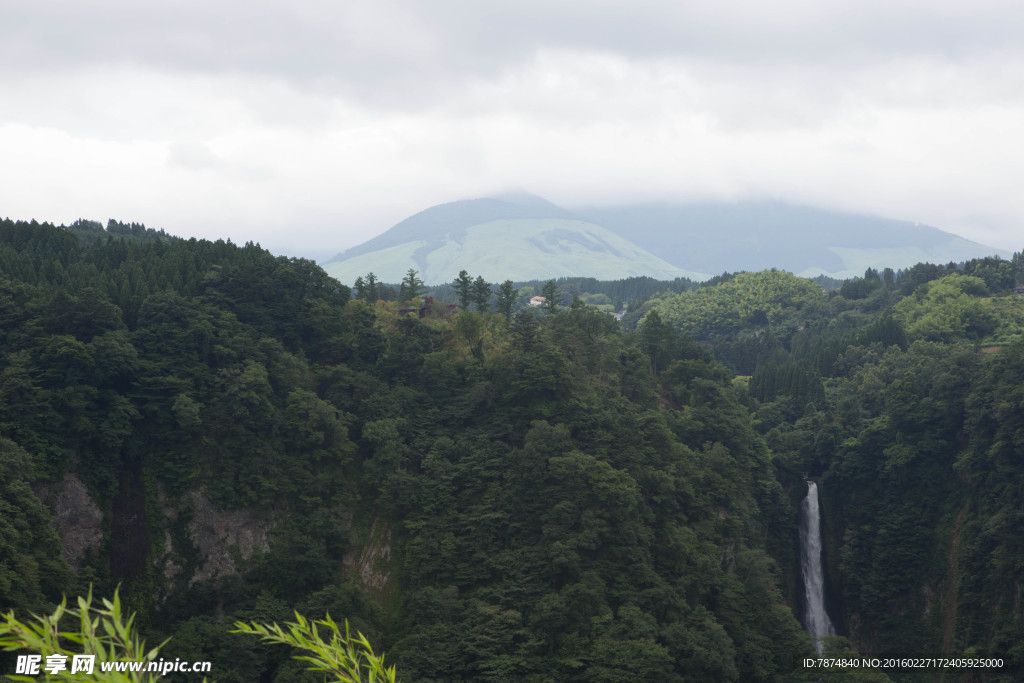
520	249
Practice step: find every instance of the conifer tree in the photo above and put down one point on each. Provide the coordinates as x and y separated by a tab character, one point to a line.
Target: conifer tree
412	286
464	289
369	287
550	293
506	298
481	293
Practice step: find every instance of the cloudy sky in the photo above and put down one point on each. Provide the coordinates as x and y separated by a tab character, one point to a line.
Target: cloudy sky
311	126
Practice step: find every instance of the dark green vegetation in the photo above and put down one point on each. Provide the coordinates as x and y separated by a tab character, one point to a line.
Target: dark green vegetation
231	436
542	498
903	392
607	295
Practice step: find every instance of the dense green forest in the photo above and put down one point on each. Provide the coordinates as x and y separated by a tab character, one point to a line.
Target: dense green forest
540	495
902	392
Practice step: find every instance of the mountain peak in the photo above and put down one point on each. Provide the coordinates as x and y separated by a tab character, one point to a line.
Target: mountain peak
521	197
516	236
521	236
437	222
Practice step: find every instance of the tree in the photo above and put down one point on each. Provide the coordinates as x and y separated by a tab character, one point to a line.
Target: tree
481	293
550	293
369	287
656	337
412	286
464	289
524	328
506	298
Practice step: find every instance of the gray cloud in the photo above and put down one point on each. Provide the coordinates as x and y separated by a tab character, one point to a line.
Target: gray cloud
372	47
339	119
193	156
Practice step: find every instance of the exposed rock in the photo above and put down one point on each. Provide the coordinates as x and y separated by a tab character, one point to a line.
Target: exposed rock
170	568
166	561
77	520
222	536
371	564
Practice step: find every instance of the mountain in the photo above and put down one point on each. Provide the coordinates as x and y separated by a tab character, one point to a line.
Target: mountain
755	235
524	237
518	237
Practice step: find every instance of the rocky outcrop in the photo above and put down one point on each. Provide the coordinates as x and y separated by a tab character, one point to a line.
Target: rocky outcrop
224	538
371	564
77	520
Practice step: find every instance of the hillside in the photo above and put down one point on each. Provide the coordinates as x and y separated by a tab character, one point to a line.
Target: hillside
901	397
228	435
728	237
524	237
521	238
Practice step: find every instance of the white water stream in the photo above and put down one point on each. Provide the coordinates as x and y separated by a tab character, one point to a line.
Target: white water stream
816	619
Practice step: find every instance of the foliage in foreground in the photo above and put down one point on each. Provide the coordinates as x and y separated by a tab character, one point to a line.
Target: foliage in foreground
104	632
346	657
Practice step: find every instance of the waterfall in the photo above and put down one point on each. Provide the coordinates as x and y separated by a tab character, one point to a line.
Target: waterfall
815	617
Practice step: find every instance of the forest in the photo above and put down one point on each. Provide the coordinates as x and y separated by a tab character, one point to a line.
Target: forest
229	435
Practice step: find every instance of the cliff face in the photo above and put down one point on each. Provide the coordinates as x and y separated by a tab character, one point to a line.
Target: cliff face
217	543
77	520
225	539
371	563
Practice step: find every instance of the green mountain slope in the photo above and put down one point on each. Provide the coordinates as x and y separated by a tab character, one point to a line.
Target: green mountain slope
436	224
529	238
517	248
756	235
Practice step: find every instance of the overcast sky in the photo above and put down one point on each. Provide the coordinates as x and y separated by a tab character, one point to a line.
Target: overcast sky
312	126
